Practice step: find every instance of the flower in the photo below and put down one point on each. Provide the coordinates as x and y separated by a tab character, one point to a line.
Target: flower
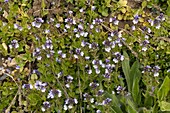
57	25
94	85
133	27
118	57
54	92
83	43
67	26
98	111
155	70
27	86
6	1
40	86
81	10
69	78
14	44
93	8
17	67
46	105
69	103
16	26
136	19
161	17
37	22
146	69
100	92
106	101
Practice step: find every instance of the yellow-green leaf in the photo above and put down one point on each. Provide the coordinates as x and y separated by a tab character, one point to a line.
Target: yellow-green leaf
164	106
122	3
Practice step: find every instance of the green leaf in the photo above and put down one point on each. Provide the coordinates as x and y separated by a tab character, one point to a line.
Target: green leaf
105	12
164	106
168	11
164	89
148	100
43	4
135	76
34	98
126	69
34	77
144	4
131	108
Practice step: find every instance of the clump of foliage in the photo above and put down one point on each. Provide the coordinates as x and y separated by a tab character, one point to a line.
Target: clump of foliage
83	56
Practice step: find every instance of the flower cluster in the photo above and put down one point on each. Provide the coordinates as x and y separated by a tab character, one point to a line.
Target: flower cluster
154	70
40	86
157	21
37	22
69	103
54	92
14	44
46	105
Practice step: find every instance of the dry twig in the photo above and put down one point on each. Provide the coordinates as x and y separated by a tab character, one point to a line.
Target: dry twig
12	103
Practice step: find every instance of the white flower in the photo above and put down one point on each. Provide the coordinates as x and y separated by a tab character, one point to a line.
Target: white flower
77	35
110	20
95	66
149	30
75	56
158	26
63	55
82	53
135	21
89	71
91	26
87	57
97	71
57	25
83	43
85	34
156	74
74	21
67	26
75	101
98	111
93	8
144	48
80	26
103	65
146	36
116	22
115	60
67	86
65	107
113	92
133	28
107	49
81	10
92	100
119	34
82	33
70	106
122	58
43	109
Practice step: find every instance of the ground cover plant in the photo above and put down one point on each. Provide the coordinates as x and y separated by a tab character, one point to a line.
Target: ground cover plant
84	56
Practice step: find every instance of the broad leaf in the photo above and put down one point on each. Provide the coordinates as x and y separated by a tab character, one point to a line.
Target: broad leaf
164	106
164	89
135	76
126	69
131	108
